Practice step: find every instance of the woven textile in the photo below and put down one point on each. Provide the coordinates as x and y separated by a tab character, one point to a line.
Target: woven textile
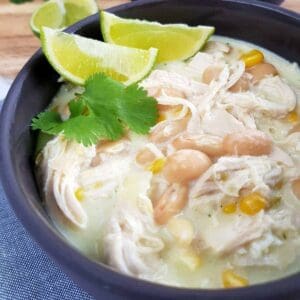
26	272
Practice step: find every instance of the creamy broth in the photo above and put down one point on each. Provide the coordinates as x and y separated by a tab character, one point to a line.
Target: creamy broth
116	195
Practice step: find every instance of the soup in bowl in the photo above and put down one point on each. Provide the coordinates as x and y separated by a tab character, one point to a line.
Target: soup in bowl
209	196
253	151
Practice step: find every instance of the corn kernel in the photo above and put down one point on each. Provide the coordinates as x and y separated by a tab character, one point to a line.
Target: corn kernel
252	204
229	208
231	279
79	194
292	117
157	165
189	258
182	230
252	58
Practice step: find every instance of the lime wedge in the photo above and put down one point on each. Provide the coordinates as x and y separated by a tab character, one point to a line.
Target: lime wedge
58	14
76	58
50	14
77	10
174	41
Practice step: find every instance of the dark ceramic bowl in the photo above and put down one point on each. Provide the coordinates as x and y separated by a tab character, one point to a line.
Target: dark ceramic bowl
257	22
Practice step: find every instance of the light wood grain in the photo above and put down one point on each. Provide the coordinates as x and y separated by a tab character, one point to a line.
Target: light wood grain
17	43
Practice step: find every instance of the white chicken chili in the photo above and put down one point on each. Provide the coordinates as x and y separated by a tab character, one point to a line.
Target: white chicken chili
211	196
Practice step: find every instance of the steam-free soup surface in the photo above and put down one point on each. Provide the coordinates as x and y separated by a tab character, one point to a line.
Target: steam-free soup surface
210	198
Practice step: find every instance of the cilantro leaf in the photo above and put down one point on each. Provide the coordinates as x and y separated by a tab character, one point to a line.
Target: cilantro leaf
102	94
77	127
102	91
104	109
137	109
86	130
49	122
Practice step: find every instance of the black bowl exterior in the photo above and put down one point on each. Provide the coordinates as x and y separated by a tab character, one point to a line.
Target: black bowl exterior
257	22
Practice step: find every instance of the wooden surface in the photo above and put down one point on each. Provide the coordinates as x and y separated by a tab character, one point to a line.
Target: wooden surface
17	43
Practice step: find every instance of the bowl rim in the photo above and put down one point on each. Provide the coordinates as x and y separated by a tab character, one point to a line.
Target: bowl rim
75	262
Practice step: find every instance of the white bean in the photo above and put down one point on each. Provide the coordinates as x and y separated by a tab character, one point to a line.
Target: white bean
166	130
260	71
209	144
171	203
249	142
185	165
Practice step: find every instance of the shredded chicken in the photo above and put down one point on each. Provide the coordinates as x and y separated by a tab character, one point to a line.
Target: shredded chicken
247	132
131	244
131	241
232	174
61	164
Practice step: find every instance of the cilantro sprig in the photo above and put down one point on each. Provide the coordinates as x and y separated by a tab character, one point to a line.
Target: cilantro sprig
102	111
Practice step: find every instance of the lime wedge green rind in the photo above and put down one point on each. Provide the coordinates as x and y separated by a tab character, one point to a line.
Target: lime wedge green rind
174	41
76	58
78	10
58	14
50	14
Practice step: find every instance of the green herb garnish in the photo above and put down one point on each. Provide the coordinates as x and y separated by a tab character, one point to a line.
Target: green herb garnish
20	1
103	111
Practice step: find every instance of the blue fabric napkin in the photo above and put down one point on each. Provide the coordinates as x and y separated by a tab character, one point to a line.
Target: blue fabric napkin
26	272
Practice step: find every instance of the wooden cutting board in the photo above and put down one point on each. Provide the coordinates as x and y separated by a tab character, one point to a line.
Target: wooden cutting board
17	43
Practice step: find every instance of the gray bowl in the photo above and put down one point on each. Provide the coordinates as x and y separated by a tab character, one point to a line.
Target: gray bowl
36	84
